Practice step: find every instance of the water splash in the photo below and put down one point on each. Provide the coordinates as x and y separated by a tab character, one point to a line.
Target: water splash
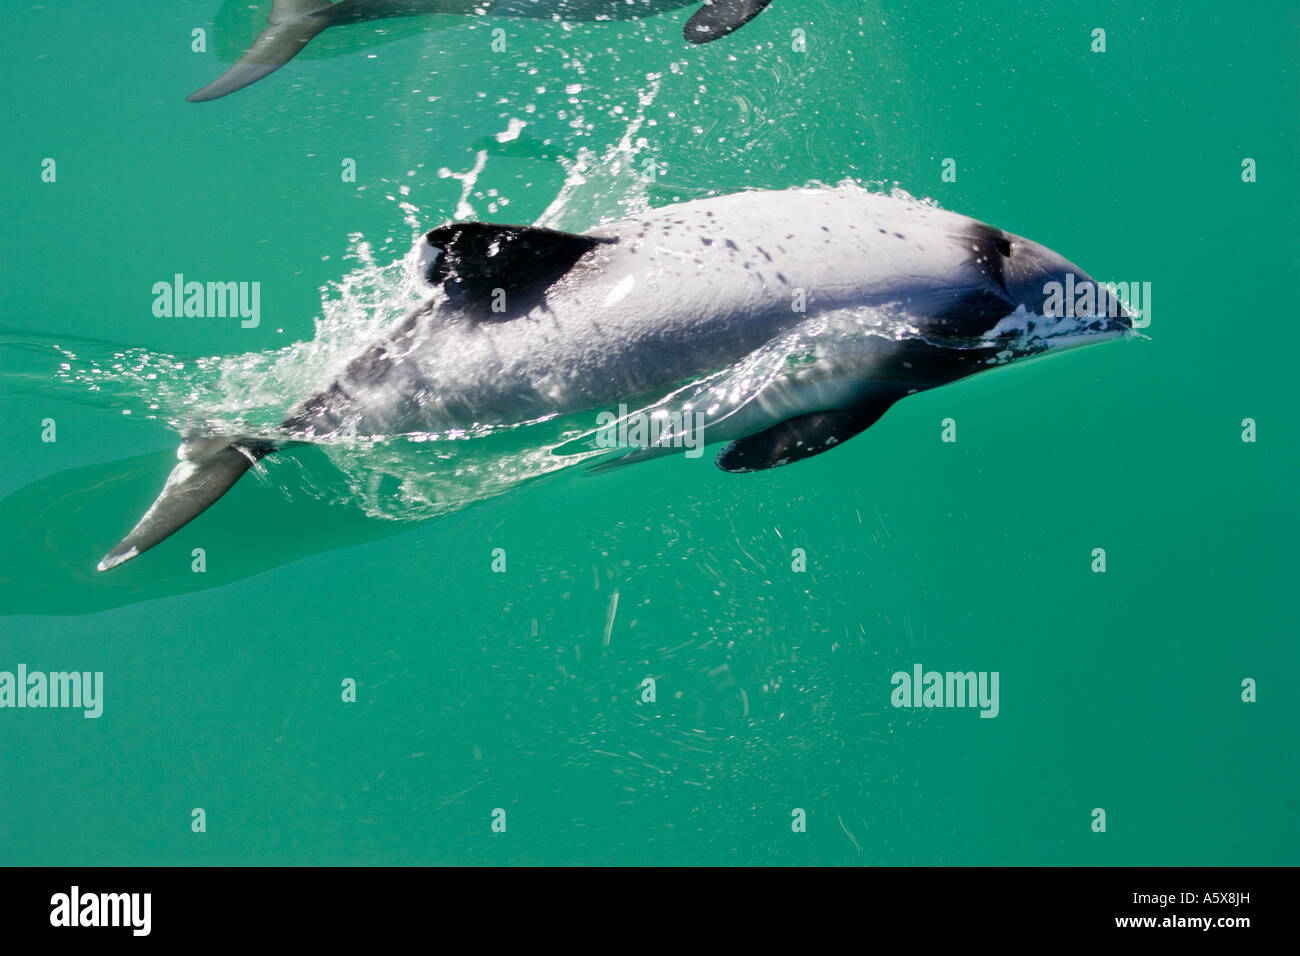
624	170
401	477
417	476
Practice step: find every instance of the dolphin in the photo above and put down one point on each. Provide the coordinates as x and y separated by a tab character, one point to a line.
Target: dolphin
864	298
292	24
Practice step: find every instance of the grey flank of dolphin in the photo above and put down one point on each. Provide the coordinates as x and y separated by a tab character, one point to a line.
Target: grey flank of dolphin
892	296
293	23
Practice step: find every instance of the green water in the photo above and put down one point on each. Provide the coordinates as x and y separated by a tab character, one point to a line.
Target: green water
522	690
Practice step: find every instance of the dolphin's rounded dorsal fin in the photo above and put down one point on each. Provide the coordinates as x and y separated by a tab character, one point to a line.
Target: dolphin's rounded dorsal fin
479	264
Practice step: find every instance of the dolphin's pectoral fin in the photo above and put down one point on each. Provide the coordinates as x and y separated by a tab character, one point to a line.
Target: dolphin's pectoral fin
717	18
804	435
496	272
207	469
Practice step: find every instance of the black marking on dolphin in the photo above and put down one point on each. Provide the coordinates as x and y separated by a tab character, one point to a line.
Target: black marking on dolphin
293	23
806	435
900	297
717	18
474	261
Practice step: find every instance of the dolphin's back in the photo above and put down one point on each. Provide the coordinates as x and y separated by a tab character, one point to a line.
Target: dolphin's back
562	323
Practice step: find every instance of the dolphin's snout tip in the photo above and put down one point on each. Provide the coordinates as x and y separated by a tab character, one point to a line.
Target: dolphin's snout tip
1118	319
1109	324
1109	313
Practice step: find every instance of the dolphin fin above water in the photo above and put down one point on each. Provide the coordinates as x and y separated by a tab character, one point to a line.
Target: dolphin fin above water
293	23
207	470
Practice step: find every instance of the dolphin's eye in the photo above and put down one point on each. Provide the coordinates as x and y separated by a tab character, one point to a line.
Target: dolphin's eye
1004	246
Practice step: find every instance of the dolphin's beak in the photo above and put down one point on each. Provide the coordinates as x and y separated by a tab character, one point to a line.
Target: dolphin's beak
1116	317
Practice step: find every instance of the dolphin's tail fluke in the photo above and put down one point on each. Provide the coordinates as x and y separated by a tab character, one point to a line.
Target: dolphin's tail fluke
290	27
208	468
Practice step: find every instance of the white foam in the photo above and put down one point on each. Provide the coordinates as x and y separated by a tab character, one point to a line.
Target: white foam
1051	331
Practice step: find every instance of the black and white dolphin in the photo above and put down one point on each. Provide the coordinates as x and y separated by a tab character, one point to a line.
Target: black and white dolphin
852	299
293	23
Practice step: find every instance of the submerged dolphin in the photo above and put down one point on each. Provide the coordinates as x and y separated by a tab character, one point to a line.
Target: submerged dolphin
293	23
888	296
